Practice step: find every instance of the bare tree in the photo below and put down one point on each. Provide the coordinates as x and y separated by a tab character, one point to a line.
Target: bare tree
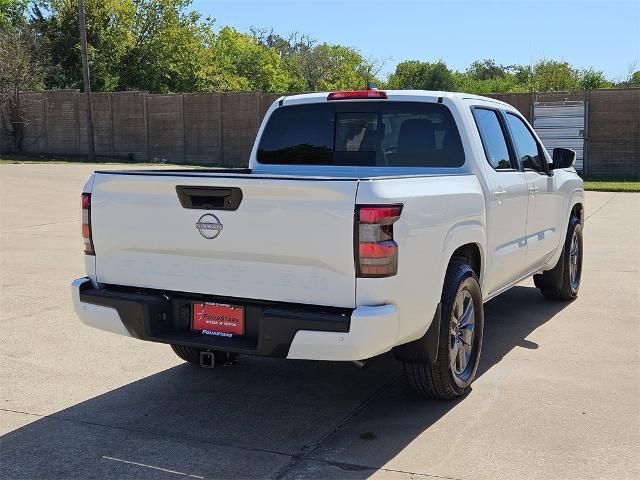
631	75
293	44
21	69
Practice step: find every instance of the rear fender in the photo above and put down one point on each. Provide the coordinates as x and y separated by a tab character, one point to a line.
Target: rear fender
425	348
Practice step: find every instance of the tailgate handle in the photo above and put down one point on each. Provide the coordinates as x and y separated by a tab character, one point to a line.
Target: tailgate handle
209	198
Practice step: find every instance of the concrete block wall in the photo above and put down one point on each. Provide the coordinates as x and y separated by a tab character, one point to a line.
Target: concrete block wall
165	127
219	128
240	119
613	146
34	132
129	118
102	123
61	116
202	128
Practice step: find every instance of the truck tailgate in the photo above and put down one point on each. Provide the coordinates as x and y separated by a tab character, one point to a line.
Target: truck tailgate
289	240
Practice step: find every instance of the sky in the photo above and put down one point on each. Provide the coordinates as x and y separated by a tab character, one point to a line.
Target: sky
601	34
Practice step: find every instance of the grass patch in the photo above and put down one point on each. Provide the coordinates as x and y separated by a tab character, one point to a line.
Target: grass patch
599	184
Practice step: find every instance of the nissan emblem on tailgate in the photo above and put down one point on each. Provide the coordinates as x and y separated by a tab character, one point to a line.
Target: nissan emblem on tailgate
209	226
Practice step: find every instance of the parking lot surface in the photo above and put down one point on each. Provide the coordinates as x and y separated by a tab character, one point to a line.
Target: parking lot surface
558	392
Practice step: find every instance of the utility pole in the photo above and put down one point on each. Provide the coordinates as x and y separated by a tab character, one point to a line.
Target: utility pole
87	83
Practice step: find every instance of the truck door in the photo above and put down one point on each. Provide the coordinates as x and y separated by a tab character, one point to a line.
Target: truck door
507	202
543	211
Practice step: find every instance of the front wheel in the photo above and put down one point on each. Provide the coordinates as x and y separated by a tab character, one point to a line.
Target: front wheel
568	269
460	339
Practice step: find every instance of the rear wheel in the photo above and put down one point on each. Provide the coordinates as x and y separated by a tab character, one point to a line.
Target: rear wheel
188	354
460	340
192	355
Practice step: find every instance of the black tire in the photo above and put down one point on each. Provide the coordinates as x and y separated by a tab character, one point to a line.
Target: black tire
188	354
570	281
440	380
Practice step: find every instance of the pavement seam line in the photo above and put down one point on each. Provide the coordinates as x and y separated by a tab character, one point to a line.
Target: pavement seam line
603	205
347	466
166	470
306	450
31	234
39	225
155	434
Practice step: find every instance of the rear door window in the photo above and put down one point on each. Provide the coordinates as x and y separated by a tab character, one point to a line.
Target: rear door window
369	133
493	138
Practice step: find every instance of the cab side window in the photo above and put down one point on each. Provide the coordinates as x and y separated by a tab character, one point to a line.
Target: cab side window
493	138
529	153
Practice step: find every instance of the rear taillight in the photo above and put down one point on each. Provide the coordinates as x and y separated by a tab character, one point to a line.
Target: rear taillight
377	251
86	224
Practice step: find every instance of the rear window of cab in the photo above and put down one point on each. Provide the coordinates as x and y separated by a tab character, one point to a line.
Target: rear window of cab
365	133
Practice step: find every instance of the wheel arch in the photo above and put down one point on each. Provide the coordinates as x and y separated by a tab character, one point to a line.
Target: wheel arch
577	210
470	254
465	242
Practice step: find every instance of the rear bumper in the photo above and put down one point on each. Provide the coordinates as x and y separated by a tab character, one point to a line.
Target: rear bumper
271	329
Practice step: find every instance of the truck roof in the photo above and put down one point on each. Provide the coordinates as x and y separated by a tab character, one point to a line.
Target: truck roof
403	95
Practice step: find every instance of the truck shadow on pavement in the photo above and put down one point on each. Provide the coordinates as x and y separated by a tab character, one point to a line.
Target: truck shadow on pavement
262	418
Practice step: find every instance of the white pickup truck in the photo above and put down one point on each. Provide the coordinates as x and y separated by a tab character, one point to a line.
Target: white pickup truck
367	221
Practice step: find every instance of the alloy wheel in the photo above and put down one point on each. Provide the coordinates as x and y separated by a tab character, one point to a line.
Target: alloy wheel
461	337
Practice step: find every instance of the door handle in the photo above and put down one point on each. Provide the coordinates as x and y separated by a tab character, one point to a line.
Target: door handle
209	198
499	194
533	189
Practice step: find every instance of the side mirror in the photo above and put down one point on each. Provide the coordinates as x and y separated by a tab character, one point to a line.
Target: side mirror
563	158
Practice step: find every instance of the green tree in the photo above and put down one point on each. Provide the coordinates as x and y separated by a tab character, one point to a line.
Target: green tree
324	66
413	74
237	61
503	84
523	76
13	13
486	76
336	67
486	69
551	75
167	49
108	37
154	45
591	79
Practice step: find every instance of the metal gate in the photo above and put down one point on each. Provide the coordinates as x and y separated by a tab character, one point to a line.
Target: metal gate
562	124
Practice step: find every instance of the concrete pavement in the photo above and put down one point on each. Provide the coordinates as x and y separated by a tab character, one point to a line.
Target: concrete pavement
558	393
